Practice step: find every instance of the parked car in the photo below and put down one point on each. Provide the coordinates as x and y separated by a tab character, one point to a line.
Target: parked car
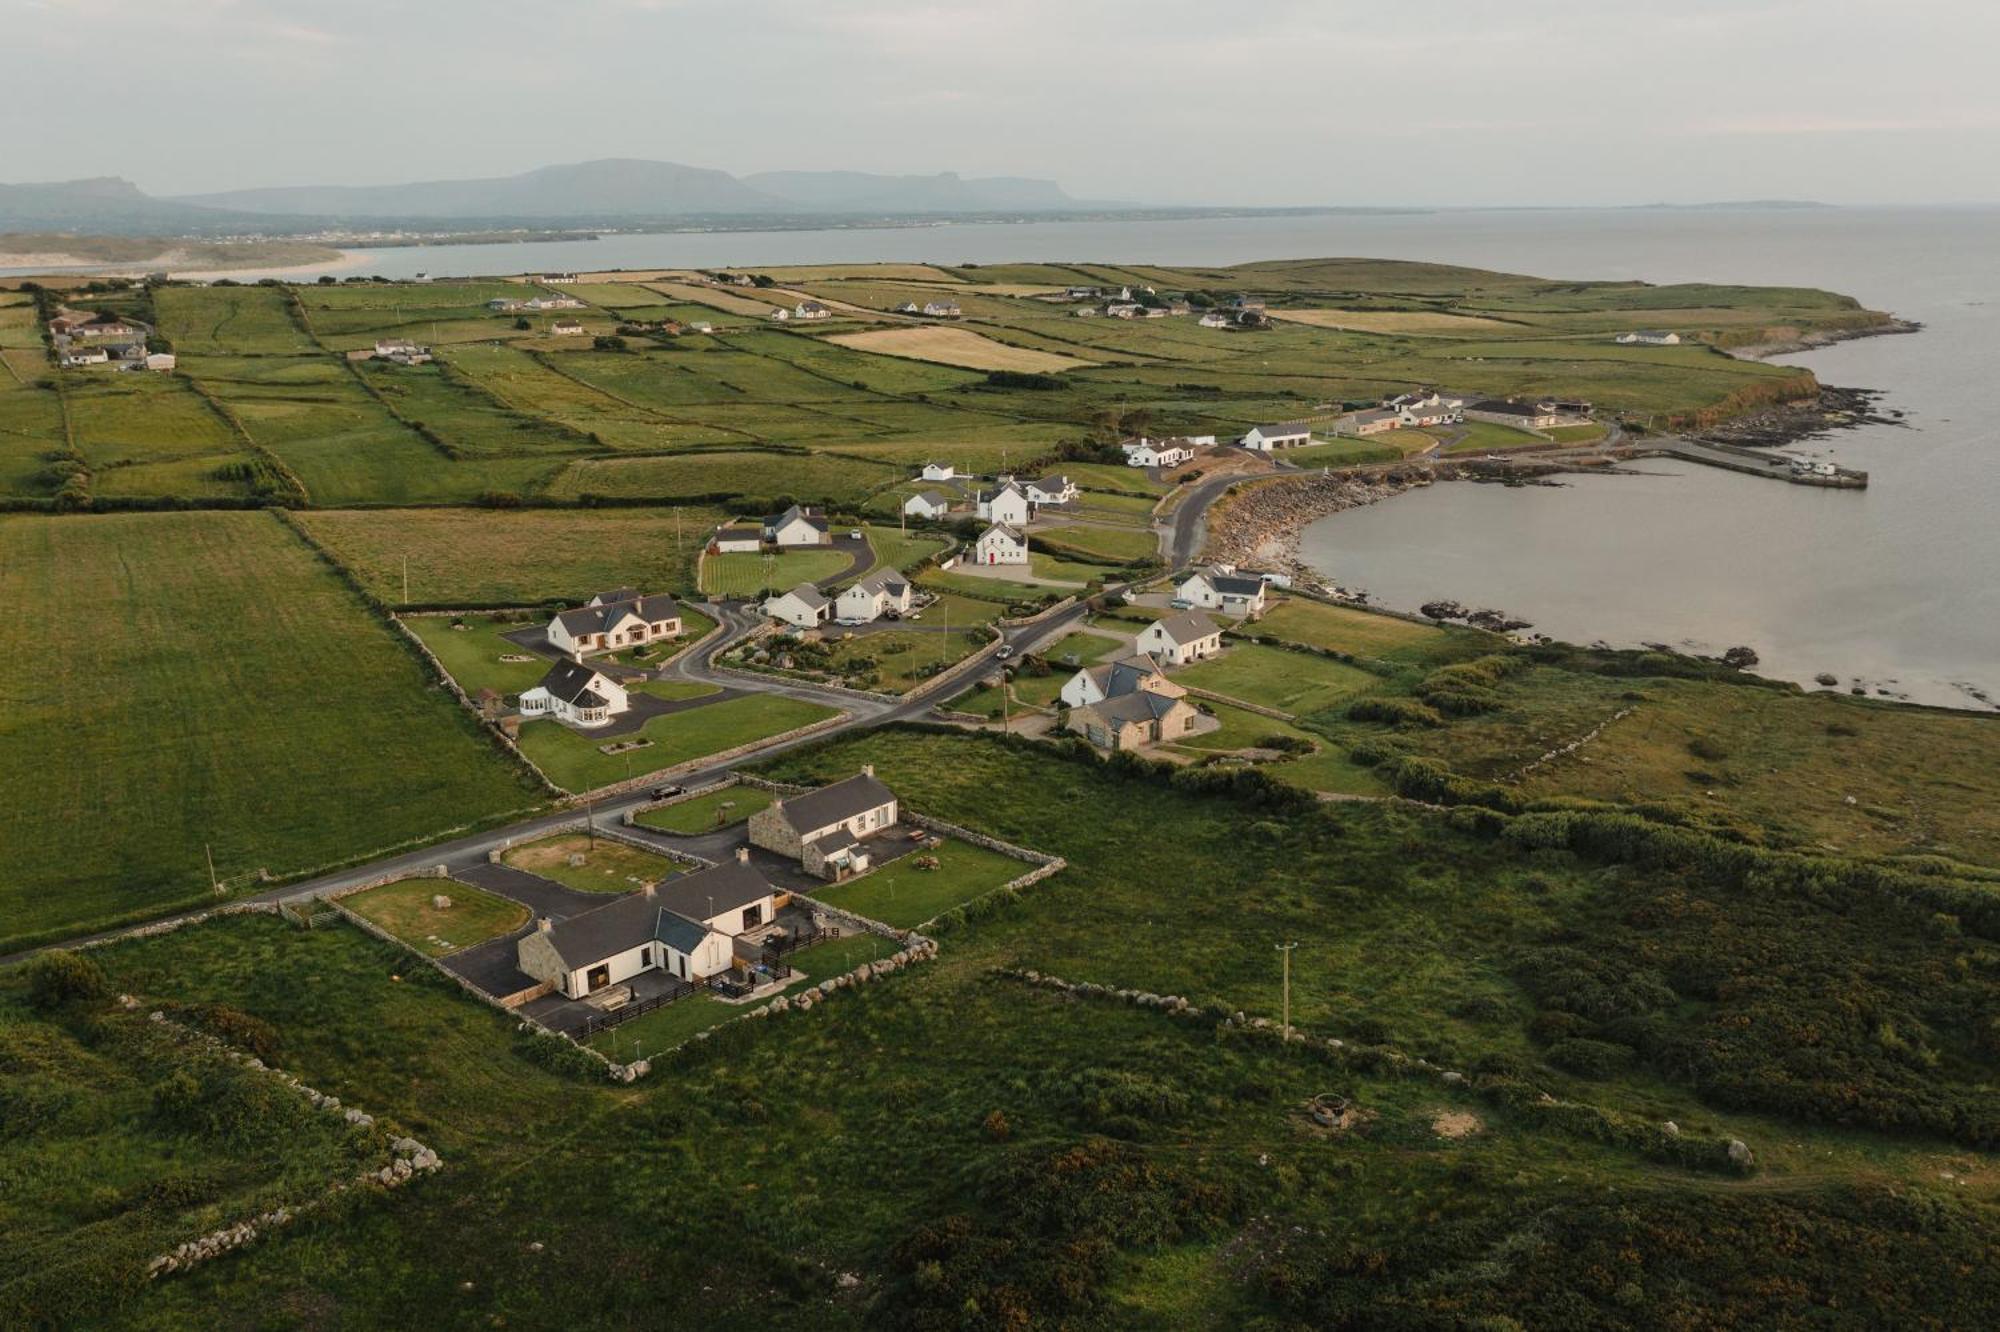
664	792
854	534
1181	603
1006	651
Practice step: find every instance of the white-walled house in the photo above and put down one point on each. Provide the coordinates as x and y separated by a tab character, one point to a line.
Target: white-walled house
932	504
940	471
796	527
1218	589
613	620
804	606
685	926
1180	639
1520	415
811	310
1282	435
1007	505
826	830
1051	490
1369	421
737	539
1000	544
566	328
873	597
1651	337
1144	452
1094	684
577	694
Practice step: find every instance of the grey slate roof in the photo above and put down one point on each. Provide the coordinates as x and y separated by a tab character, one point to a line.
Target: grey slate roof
1135	707
707	893
626	922
1507	407
612	607
935	498
1124	676
795	512
810	595
835	803
1235	584
570	682
1286	428
884	580
1188	627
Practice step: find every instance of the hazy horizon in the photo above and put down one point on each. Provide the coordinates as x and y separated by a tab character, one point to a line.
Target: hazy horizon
1551	103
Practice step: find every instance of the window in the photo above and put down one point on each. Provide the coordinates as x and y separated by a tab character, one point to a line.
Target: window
753	916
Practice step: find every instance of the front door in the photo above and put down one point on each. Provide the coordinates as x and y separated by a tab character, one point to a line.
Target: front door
597	979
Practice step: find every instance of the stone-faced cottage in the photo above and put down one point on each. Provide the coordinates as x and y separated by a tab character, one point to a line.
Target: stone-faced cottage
826	830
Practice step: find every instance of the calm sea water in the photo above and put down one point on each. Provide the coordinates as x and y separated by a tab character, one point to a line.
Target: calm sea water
1895	584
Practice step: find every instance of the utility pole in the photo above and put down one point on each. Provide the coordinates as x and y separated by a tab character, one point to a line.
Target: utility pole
406	580
213	886
590	822
1285	951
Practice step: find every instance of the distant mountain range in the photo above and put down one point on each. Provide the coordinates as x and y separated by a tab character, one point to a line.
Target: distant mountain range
614	191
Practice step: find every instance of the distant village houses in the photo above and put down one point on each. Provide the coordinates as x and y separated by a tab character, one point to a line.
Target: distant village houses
1651	337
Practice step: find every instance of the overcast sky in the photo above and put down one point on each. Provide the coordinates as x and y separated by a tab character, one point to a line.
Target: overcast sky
1200	101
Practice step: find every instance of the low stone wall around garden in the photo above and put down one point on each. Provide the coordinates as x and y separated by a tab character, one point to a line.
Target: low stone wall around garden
706	760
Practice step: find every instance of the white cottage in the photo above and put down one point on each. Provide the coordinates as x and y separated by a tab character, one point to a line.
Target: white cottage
577	694
940	471
1000	544
932	504
1008	504
804	606
687	927
796	527
1283	435
1112	679
873	597
1224	590
1051	490
1180	639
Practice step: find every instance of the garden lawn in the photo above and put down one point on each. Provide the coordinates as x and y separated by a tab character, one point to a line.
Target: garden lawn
1121	545
896	549
744	574
608	866
706	813
1273	677
905	896
1487	437
835	957
666	1026
405	909
226	694
573	761
904	658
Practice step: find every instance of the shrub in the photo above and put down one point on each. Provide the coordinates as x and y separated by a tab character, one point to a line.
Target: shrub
1587	1058
1394	710
59	977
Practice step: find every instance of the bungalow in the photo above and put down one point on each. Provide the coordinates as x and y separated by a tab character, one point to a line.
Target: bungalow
685	926
1132	721
909	308
804	606
941	309
1651	337
575	693
559	279
1224	590
566	328
1215	319
940	471
701	326
1283	435
796	527
1081	293
1000	544
1431	409
1009	504
75	356
811	310
1180	639
1113	679
107	326
827	830
1051	490
552	302
161	361
931	504
737	539
1373	421
1143	452
402	351
506	304
779	315
873	597
1520	415
1086	311
1123	309
612	620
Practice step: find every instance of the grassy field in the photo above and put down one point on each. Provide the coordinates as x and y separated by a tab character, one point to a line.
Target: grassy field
1346	629
956	346
407	910
574	761
590	864
1419	323
903	895
896	549
897	660
225	695
744	574
1275	678
758	476
1118	544
707	813
477	557
1486	437
950	1136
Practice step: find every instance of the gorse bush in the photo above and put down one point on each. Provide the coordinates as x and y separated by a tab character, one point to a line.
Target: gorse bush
58	977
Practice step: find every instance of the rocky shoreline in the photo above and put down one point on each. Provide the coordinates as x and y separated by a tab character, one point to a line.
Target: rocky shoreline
1261	523
1799	422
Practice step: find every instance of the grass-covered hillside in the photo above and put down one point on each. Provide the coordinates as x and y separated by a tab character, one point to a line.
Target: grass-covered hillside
957	1147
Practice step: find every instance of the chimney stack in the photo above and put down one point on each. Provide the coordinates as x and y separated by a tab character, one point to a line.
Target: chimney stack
651	889
545	924
867	770
742	855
